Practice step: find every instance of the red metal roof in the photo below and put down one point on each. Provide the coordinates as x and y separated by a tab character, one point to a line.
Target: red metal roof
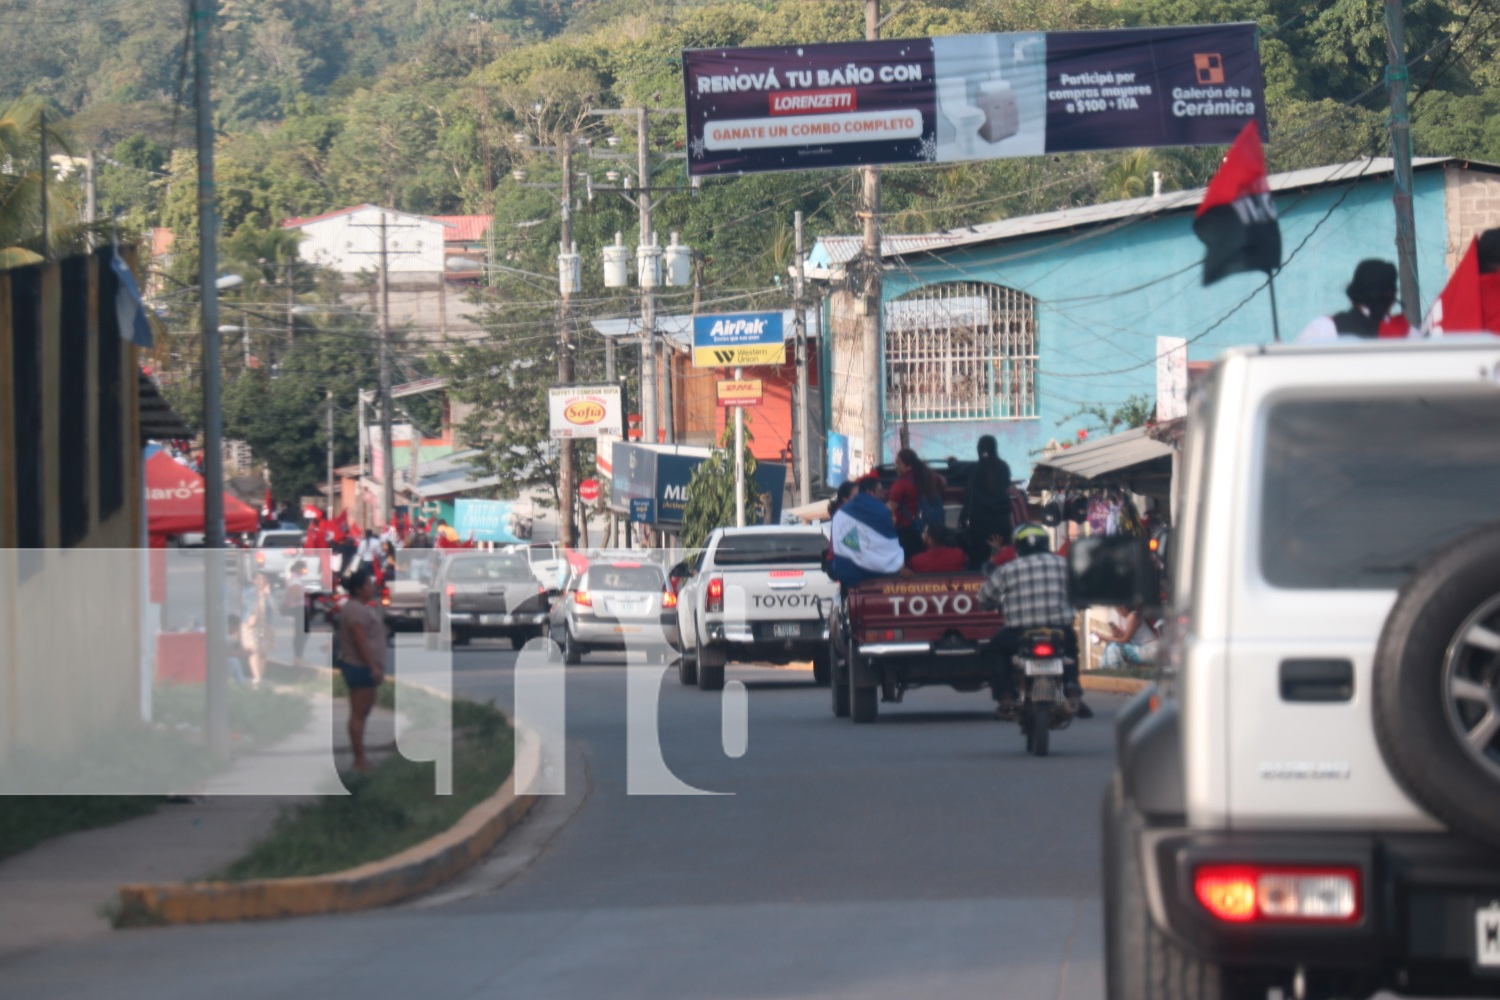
161	241
293	223
463	228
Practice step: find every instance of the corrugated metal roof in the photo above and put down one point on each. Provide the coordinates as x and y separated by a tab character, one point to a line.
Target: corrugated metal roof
464	228
836	250
1106	462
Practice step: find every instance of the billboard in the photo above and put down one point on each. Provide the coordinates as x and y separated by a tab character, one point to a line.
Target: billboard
653	485
585	411
506	521
838	459
968	97
728	340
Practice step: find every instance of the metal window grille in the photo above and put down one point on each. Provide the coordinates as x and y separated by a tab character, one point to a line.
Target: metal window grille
961	351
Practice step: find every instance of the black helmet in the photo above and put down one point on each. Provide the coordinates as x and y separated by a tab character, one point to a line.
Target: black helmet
1030	539
1078	509
1052	513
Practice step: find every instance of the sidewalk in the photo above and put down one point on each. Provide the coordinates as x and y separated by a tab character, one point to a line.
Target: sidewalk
57	891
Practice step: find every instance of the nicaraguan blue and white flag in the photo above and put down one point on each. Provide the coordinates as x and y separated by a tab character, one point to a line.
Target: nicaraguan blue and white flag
134	326
864	541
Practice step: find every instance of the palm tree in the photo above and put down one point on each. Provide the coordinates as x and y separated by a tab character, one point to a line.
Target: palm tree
21	126
1130	177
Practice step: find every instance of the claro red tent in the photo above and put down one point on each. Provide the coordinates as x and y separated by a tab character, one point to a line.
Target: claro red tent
174	502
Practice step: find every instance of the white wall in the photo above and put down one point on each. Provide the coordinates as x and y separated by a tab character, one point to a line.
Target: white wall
350	243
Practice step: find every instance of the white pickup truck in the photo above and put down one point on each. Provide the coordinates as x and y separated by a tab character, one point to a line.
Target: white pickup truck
754	594
1308	800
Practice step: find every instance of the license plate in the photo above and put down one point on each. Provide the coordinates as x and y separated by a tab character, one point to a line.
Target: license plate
1043	668
492	619
1487	936
628	607
786	630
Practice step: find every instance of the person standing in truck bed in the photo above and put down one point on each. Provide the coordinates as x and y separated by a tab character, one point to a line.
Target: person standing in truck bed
986	511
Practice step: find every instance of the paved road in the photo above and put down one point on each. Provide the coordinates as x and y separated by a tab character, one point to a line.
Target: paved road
924	855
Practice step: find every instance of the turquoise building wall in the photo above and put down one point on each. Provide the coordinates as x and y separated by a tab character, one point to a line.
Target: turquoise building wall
1106	293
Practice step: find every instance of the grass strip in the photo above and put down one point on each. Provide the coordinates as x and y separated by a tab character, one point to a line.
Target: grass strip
389	808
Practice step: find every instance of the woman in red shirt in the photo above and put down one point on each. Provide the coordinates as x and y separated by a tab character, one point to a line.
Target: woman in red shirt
914	483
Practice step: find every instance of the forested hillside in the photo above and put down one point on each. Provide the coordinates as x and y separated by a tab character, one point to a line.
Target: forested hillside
419	105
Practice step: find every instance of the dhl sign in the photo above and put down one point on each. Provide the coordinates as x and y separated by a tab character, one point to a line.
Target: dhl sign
740	392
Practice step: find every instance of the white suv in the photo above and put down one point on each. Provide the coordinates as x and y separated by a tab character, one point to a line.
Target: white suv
1309	799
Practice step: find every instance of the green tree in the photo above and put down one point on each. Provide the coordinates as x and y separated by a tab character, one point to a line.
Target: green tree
710	492
21	220
281	412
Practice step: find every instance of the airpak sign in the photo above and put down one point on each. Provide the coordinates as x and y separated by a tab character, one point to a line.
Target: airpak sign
726	341
740	392
584	411
969	97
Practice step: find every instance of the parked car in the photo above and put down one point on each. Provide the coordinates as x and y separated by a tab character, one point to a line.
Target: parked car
615	605
405	600
548	562
275	551
486	594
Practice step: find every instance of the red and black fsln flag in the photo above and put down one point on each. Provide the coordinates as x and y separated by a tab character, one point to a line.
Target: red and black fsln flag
1237	220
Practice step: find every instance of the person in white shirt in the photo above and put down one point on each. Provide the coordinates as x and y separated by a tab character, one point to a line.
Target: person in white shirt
369	551
1372	293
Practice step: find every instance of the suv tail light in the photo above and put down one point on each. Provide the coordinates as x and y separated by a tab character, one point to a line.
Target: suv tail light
1270	893
715	594
668	599
583	599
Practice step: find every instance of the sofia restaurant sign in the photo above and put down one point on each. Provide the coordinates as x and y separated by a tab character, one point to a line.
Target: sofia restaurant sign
585	411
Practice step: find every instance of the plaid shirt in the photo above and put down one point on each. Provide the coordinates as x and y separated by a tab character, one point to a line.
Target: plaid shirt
1031	591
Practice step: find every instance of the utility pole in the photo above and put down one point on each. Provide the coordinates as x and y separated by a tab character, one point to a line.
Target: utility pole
870	332
648	294
291	301
46	175
1406	226
565	488
799	321
217	675
387	452
330	455
739	459
91	189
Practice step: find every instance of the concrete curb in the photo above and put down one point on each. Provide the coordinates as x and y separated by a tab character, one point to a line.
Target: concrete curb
1113	685
378	883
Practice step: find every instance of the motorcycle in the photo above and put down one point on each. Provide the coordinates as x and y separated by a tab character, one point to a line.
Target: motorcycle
1038	665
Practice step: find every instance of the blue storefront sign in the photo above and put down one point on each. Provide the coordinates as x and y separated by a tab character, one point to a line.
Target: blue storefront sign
492	521
838	459
652	487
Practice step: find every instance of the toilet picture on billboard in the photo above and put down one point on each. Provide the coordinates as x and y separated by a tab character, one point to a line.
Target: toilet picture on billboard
991	95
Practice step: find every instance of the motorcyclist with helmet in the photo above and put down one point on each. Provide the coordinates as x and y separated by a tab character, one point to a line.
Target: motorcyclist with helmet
1032	592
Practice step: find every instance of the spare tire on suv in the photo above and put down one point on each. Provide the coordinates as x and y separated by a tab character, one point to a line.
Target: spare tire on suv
1437	686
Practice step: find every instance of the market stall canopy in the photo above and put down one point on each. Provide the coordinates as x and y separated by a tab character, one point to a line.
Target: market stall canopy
1131	459
174	501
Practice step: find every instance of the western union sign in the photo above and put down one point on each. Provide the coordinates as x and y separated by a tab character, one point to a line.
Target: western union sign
725	341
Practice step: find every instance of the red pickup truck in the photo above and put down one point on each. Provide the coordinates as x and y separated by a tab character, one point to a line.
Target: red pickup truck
902	632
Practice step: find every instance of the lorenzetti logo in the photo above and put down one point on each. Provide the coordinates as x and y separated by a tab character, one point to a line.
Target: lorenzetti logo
584	412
